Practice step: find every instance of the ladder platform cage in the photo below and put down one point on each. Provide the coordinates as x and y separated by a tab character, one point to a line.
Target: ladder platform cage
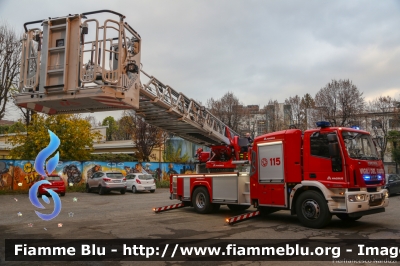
80	63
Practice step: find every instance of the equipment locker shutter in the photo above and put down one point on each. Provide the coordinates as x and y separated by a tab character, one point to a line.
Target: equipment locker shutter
270	162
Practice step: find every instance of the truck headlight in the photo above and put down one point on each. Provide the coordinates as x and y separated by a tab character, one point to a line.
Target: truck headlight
358	197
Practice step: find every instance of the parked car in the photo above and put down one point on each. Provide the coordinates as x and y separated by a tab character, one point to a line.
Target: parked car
392	184
140	182
57	185
104	182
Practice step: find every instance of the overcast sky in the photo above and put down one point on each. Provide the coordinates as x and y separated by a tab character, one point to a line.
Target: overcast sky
257	49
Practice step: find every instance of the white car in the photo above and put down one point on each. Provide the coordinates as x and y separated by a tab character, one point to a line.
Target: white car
140	182
104	182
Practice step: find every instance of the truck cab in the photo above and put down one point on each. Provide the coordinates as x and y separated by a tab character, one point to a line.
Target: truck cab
318	173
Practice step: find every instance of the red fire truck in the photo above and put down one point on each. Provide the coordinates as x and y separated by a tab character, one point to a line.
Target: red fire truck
88	63
324	171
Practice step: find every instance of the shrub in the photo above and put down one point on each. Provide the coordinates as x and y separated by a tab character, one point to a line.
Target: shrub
162	184
76	188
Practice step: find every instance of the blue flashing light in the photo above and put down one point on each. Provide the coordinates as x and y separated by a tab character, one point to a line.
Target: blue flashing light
367	177
379	177
323	124
355	127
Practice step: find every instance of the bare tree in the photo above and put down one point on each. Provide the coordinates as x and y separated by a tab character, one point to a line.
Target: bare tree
146	137
10	50
228	109
296	114
382	110
92	120
307	103
339	101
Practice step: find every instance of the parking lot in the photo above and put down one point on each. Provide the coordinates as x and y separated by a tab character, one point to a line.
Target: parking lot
111	216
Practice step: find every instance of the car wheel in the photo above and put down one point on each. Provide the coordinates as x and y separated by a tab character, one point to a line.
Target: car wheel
152	191
234	207
88	189
201	200
346	218
312	210
123	191
134	189
62	194
101	190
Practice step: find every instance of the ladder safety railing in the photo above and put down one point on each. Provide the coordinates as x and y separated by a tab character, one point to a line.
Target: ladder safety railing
189	109
31	65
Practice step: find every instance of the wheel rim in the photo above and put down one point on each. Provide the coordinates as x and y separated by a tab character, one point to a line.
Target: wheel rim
310	209
200	200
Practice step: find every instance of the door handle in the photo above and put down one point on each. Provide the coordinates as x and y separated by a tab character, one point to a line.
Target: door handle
312	175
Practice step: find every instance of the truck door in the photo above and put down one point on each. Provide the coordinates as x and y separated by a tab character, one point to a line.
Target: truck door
321	166
271	174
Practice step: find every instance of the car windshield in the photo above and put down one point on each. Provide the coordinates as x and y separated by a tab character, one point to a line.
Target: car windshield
53	178
359	145
145	177
115	175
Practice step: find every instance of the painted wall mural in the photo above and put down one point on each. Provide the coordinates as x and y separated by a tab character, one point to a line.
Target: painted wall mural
19	174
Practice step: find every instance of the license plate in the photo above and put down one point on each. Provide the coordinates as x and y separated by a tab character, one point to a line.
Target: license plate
117	181
376	196
147	188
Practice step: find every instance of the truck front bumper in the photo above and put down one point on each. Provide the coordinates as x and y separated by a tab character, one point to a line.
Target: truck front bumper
362	213
360	201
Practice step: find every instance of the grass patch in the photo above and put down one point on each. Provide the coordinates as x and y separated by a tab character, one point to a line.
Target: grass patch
77	188
162	184
13	192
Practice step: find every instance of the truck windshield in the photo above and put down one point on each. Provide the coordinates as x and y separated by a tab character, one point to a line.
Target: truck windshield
359	146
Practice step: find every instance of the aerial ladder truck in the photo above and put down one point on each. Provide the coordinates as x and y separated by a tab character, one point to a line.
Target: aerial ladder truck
77	64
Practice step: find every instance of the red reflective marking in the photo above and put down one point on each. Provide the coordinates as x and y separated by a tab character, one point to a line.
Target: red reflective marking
38	108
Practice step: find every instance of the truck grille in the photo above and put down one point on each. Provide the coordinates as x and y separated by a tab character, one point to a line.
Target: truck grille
375	203
376	199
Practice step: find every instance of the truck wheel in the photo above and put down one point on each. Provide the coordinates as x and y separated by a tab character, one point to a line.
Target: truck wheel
346	218
234	207
312	210
201	200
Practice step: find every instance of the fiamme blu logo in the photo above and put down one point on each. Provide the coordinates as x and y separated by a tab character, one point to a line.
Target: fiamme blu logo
50	167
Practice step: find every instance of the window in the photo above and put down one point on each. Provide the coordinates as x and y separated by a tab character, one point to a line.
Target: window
95	175
53	178
394	123
319	145
359	146
145	177
376	124
115	175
